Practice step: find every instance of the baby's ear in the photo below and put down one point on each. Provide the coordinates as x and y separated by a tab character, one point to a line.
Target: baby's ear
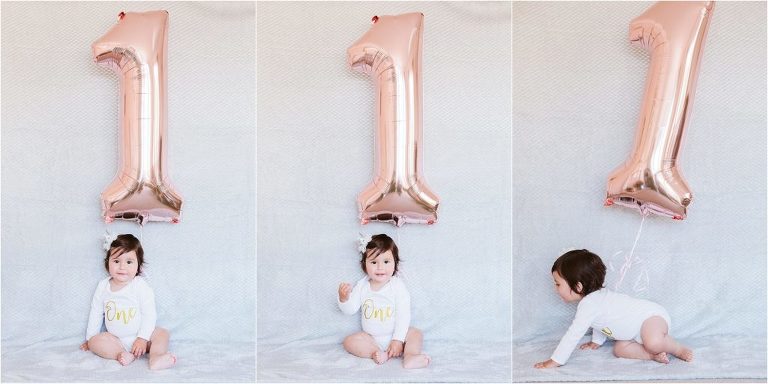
579	288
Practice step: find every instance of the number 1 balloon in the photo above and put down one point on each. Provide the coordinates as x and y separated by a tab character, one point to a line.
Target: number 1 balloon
135	49
649	181
391	53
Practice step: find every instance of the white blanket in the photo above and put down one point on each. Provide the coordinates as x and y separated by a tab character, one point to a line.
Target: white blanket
63	362
319	360
718	357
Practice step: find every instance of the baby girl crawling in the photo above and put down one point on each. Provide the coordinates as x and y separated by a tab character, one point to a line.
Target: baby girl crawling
639	327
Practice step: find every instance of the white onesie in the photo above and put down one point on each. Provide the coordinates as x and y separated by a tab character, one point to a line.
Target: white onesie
386	313
610	315
129	313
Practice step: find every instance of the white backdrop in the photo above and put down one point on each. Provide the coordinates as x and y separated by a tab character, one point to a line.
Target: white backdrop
59	151
577	88
315	120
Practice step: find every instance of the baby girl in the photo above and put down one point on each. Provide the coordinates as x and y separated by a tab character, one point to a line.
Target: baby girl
639	327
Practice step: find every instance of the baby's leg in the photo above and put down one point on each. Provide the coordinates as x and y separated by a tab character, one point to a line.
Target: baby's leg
629	349
362	344
159	358
657	340
412	356
109	346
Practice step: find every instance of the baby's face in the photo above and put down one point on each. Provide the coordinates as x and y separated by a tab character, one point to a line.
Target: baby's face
564	290
380	268
123	268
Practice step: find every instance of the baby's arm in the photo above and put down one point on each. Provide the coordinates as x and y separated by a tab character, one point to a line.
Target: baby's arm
95	317
585	314
402	320
148	319
352	298
148	311
402	312
597	340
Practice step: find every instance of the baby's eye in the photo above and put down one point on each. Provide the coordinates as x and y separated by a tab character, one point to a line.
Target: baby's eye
373	262
129	261
386	261
116	261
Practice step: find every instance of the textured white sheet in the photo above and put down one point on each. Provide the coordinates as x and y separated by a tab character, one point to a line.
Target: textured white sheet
63	362
59	151
577	87
315	154
324	360
716	357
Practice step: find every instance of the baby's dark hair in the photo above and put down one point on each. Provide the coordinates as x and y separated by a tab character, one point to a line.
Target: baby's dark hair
581	266
124	244
379	244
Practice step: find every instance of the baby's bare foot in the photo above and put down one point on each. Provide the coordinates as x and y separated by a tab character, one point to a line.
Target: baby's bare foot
125	357
416	361
380	357
163	361
661	358
684	353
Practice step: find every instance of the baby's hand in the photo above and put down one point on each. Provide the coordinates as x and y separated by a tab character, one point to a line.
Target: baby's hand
547	364
139	347
395	348
590	345
344	290
84	346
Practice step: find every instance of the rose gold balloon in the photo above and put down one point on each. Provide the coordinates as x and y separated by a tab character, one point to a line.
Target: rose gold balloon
391	53
649	181
135	50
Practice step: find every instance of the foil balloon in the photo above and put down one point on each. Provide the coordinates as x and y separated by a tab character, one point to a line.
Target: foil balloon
135	49
650	181
390	52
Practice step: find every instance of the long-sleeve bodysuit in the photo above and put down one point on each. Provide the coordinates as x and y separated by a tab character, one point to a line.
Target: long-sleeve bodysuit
128	313
610	315
385	314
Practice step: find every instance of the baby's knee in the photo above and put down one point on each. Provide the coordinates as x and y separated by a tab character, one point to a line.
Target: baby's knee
352	339
654	344
160	332
100	338
414	332
617	350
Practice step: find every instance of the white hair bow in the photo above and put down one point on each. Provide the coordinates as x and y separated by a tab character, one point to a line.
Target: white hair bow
108	239
363	241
